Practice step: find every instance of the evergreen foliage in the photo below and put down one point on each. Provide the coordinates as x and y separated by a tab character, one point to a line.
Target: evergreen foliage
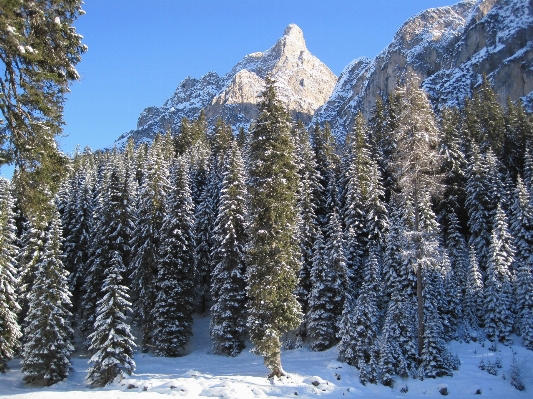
359	327
364	212
273	256
112	341
39	50
484	190
454	164
498	285
398	351
228	323
9	306
206	213
329	288
174	301
484	118
473	297
31	245
522	232
146	239
308	191
47	331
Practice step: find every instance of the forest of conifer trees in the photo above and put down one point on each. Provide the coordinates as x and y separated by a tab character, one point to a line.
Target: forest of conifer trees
416	230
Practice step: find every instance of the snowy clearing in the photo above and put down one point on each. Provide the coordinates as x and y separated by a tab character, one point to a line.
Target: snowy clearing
202	374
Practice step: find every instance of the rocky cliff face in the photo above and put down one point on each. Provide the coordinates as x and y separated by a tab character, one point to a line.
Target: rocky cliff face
449	48
304	83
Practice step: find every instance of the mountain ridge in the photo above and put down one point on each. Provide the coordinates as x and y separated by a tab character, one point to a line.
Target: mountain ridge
449	49
304	83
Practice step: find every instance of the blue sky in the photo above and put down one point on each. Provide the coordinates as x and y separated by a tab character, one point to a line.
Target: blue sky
139	51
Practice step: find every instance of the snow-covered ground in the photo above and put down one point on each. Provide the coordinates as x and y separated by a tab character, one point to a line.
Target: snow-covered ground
202	374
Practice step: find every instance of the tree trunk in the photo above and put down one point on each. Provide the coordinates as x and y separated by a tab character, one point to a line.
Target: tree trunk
420	300
273	363
419	297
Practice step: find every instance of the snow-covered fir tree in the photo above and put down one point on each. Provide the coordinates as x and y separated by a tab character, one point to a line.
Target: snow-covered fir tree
441	308
93	270
522	232
416	164
359	326
308	190
79	220
146	240
273	253
111	341
518	133
484	118
484	190
228	323
457	253
498	285
31	244
174	301
398	349
397	275
528	169
47	349
329	287
112	232
206	213
9	306
452	149
364	211
435	360
473	316
327	161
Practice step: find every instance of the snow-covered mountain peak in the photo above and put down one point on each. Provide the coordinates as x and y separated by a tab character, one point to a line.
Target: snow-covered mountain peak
293	31
304	83
292	41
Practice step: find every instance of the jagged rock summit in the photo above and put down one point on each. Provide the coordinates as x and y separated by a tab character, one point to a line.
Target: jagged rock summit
304	83
449	48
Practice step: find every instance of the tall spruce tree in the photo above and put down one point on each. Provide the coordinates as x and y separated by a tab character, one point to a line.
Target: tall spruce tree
93	270
453	151
146	239
112	232
484	190
228	324
39	50
273	256
416	162
364	212
174	301
47	348
518	133
522	231
9	307
398	350
206	213
359	329
329	286
528	169
31	245
327	162
484	118
77	238
473	297
308	191
112	340
498	285
457	253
